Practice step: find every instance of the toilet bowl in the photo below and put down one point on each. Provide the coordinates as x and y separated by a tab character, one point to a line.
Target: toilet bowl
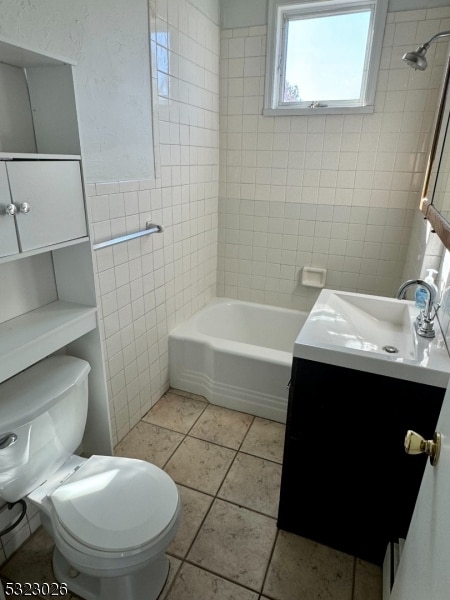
111	518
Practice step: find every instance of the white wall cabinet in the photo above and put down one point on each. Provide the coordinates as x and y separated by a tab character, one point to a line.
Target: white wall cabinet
48	198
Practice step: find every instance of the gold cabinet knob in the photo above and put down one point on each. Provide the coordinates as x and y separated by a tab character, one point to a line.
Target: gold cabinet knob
416	444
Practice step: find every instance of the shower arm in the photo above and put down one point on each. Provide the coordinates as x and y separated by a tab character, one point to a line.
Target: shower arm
435	37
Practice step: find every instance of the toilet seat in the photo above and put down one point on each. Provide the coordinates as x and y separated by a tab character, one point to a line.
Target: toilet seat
115	505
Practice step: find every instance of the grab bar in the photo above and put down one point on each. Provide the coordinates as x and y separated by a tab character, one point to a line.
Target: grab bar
149	228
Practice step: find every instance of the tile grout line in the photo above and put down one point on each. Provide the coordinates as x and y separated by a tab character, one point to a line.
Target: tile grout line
185	559
270	561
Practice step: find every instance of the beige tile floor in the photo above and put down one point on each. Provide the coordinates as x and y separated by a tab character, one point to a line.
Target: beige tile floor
227	466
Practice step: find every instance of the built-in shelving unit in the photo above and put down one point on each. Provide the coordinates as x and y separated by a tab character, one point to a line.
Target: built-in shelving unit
47	290
44	232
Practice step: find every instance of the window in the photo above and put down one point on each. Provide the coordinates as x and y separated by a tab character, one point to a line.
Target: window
323	55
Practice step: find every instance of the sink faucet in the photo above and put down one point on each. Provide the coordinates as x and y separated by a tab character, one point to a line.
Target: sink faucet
425	319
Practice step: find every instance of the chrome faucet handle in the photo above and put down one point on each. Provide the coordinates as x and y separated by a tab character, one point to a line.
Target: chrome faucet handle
425	325
436	307
422	316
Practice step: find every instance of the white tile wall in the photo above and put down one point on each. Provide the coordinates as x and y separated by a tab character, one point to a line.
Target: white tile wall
335	192
148	286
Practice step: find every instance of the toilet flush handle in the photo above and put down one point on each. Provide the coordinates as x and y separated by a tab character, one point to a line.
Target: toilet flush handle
7	439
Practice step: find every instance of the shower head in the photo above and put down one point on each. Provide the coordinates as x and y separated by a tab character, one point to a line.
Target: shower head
416	59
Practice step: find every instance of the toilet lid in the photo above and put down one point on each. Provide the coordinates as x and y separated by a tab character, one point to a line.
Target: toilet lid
116	504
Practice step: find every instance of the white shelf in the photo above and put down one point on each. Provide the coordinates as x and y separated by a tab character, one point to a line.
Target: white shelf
36	156
24	56
28	338
19	255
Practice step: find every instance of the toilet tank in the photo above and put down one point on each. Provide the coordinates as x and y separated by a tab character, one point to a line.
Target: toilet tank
45	406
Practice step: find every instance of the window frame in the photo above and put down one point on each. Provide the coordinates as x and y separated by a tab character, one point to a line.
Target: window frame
276	53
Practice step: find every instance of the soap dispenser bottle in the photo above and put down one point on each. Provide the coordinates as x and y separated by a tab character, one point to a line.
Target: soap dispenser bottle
422	292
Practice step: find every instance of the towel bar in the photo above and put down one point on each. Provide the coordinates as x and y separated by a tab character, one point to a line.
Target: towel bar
149	228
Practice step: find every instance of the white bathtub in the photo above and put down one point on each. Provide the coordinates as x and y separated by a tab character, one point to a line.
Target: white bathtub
238	355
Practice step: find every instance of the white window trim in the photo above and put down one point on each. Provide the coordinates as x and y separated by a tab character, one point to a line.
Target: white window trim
274	49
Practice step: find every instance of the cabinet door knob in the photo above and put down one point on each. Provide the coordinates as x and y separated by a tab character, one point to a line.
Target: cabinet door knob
11	209
25	208
416	444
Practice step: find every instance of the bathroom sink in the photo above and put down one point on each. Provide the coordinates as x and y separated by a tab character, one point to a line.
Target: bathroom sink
374	334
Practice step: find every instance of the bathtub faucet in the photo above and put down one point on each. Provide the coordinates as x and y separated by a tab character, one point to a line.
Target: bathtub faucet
425	319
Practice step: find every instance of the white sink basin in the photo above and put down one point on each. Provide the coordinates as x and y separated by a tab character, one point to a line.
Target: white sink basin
374	334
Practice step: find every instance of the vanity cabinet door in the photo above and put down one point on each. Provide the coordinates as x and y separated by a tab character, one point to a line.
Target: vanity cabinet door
8	237
330	490
346	479
52	192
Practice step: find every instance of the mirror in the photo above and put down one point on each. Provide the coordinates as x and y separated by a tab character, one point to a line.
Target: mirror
441	184
435	203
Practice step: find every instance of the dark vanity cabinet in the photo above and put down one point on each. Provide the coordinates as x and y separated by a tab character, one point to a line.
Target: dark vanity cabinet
347	481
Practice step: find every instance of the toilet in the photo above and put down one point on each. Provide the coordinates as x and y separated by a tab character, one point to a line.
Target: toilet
111	518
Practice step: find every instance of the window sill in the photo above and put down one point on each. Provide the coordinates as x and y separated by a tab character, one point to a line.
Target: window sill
338	110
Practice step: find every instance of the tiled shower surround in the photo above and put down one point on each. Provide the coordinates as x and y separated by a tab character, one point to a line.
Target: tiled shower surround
337	192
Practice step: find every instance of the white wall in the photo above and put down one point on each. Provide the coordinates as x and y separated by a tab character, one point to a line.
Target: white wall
210	9
235	13
109	41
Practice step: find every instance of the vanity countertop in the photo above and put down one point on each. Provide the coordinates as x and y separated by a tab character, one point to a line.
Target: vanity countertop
375	334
